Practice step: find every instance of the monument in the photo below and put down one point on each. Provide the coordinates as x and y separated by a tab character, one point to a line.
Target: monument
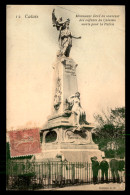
67	133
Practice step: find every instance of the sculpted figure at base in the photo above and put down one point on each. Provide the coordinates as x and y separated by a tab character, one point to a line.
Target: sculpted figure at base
73	137
75	107
65	35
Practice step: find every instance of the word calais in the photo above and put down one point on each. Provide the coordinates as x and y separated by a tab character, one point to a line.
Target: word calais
27	16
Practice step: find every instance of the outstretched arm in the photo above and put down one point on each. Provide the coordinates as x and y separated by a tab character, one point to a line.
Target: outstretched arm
76	37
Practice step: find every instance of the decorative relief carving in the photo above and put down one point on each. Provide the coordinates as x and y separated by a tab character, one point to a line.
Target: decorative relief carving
57	97
78	137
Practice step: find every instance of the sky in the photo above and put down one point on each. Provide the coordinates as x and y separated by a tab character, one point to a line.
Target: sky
32	44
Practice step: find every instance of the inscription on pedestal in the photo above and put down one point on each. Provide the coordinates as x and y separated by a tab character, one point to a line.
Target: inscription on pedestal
70	66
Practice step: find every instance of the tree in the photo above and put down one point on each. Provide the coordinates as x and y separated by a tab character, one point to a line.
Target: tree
110	131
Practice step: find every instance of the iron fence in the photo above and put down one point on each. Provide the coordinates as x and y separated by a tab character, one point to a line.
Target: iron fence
34	175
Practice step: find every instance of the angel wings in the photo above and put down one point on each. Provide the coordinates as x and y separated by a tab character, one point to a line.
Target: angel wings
58	23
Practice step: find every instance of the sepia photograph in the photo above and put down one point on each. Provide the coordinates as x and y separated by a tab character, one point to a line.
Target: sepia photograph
65	84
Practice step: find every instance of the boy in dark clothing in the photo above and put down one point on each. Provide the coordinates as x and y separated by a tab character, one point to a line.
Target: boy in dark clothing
121	168
114	165
104	169
95	168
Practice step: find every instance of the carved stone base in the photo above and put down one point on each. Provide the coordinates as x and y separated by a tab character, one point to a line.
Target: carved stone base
68	134
73	144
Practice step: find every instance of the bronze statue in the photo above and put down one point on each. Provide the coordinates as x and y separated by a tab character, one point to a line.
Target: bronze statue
65	35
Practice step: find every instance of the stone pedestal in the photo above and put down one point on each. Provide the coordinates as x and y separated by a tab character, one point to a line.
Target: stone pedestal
72	144
65	83
61	135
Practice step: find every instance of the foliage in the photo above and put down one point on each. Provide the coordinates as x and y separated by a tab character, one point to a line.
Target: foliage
110	130
110	153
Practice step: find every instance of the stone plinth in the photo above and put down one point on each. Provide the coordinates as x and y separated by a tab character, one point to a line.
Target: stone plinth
71	155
